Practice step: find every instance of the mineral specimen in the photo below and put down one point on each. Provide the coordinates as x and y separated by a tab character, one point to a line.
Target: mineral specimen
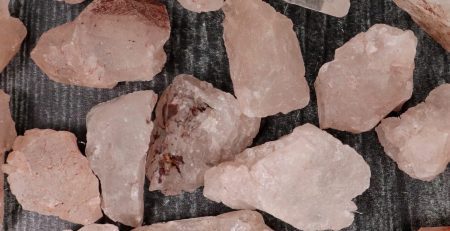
48	174
432	15
72	1
307	179
371	75
118	135
435	228
84	53
201	5
266	63
99	227
419	140
196	127
338	8
12	34
243	220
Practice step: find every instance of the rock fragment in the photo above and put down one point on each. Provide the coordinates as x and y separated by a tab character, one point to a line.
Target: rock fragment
435	228
85	53
201	5
243	220
99	227
371	75
118	137
48	174
197	126
338	8
307	179
419	140
266	63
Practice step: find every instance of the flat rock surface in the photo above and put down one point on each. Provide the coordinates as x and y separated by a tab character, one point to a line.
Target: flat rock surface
201	5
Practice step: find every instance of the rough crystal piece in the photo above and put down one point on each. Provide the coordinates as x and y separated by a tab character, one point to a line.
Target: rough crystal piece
12	33
84	53
371	75
266	63
419	140
432	15
338	8
435	228
73	1
307	179
99	227
197	126
244	220
202	5
118	135
48	174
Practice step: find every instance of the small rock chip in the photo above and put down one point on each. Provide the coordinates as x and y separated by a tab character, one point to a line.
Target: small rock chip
12	33
72	1
266	63
118	137
109	42
371	75
48	174
338	8
419	140
202	5
307	179
99	227
432	15
435	228
244	220
197	126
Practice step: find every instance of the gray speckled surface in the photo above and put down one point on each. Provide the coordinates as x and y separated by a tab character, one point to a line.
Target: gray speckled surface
394	200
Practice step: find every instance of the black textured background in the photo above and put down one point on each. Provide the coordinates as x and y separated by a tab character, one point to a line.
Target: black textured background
394	200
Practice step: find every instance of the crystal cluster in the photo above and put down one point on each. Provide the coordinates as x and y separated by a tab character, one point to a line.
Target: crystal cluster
338	8
201	5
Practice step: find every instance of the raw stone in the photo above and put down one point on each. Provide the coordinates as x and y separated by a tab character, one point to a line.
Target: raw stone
307	179
266	63
72	1
338	8
197	126
419	140
118	135
201	5
243	220
48	174
435	228
371	75
99	227
84	53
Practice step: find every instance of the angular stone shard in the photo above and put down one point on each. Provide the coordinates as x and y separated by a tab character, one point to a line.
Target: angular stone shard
12	33
197	126
435	228
338	8
419	140
99	227
244	220
202	5
48	174
118	137
85	53
432	15
307	179
371	75
266	63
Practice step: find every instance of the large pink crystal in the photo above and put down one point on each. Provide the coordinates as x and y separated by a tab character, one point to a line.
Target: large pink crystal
266	63
338	8
197	126
307	179
432	15
118	137
48	174
109	42
419	140
12	33
243	220
371	75
201	5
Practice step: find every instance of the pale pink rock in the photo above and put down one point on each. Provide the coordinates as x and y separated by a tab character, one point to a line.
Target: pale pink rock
419	140
197	126
202	5
307	179
99	227
266	63
73	1
432	15
48	174
109	42
338	8
12	33
371	75
243	220
118	137
435	228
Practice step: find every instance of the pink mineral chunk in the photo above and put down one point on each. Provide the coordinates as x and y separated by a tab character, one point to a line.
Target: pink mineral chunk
197	126
266	63
371	75
48	174
419	140
202	5
307	179
99	227
447	228
85	53
338	8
